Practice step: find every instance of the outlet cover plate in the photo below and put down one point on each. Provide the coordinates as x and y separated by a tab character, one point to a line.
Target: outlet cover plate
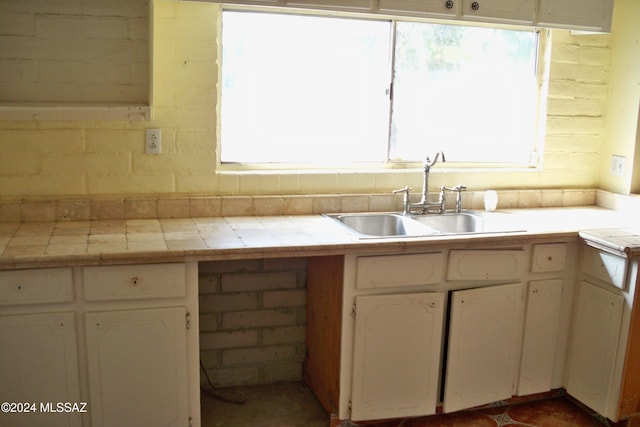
153	141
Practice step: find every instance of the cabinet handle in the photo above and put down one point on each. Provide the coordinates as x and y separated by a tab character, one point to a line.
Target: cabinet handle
475	5
449	4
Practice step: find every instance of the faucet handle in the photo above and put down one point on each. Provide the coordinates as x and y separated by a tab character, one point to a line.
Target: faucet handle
406	207
459	187
402	190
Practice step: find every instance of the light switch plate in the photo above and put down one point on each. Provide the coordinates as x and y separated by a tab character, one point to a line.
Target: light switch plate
617	165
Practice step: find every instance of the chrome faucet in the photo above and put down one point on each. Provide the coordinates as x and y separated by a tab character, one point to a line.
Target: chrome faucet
424	199
424	204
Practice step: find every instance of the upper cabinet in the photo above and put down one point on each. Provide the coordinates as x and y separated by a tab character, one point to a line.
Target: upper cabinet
594	15
515	12
443	8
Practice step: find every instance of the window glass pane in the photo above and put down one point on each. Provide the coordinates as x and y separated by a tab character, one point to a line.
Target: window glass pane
469	91
304	88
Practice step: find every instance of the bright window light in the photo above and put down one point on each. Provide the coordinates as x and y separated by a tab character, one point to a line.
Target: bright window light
319	90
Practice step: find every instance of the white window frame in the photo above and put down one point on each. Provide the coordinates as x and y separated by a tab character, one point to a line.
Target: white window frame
535	162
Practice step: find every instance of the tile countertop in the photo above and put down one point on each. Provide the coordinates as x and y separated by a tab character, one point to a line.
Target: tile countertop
70	243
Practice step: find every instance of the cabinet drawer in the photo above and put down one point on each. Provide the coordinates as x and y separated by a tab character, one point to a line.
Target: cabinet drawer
399	270
548	257
605	266
134	282
42	285
491	264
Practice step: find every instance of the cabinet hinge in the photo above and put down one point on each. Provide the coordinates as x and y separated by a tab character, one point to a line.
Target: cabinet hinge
353	310
188	320
349	409
190	422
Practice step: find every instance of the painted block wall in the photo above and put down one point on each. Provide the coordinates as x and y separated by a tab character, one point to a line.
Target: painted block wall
252	315
40	159
88	51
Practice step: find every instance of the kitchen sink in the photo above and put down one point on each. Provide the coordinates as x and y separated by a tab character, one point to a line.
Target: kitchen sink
377	225
382	224
455	223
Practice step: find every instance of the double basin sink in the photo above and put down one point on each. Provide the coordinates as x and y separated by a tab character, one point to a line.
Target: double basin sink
376	225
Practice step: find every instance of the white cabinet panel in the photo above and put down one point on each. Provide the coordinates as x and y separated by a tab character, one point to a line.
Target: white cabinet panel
44	285
605	266
515	11
484	343
399	270
486	264
593	14
105	283
444	8
397	353
137	362
540	333
549	257
594	344
38	363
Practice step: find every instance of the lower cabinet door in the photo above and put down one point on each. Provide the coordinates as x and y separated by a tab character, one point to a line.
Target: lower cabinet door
397	355
137	362
540	336
593	346
484	345
39	369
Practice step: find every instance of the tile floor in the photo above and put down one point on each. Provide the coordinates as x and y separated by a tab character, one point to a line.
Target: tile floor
293	405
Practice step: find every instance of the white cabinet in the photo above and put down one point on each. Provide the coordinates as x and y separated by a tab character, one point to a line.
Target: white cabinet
391	271
123	338
592	15
514	11
397	354
540	336
443	8
137	363
39	364
463	326
594	346
484	345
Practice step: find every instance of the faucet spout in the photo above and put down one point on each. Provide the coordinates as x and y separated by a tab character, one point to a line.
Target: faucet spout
427	164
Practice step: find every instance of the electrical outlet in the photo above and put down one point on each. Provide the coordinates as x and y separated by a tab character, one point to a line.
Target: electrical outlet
153	141
617	165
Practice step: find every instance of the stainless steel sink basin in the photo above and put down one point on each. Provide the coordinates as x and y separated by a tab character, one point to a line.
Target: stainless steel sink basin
382	224
377	225
453	223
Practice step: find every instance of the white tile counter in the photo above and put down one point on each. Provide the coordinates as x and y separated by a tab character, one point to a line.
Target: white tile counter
40	244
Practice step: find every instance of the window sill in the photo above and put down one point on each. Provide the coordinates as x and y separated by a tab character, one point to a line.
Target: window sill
74	112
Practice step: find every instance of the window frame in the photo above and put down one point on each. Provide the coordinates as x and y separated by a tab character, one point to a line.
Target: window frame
542	81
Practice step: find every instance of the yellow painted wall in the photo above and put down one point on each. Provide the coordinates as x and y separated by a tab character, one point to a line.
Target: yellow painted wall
623	99
93	158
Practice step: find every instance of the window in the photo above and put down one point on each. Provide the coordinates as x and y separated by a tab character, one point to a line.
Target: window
329	90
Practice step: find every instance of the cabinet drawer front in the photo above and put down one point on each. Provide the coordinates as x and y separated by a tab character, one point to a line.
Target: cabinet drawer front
134	281
399	270
605	266
486	264
36	286
548	257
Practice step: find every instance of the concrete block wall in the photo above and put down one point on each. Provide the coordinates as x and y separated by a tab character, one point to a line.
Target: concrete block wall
89	51
95	159
252	315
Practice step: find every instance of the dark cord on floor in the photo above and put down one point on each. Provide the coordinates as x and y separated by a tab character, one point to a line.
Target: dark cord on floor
229	396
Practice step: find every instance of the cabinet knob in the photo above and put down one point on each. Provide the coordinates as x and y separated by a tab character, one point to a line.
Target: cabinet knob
449	4
475	5
135	281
